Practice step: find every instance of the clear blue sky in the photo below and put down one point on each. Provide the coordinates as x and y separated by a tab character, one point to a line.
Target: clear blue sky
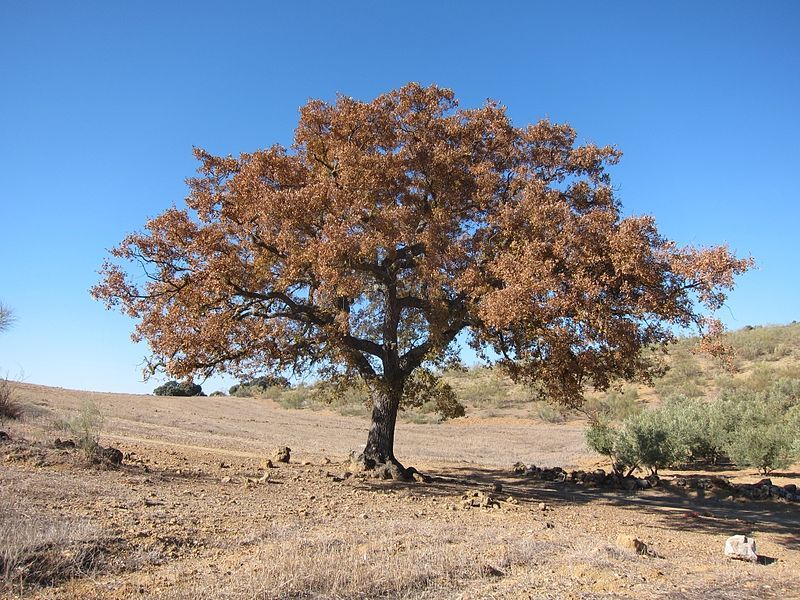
101	103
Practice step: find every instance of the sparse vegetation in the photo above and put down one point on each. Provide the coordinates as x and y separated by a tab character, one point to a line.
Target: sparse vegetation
259	386
10	408
185	520
84	428
37	551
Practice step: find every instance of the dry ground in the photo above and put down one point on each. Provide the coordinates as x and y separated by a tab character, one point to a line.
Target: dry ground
180	520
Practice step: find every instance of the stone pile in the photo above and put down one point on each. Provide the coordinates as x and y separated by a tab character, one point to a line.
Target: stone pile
762	490
596	478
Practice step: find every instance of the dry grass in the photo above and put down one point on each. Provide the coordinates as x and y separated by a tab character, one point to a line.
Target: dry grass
257	425
38	550
403	558
180	518
10	408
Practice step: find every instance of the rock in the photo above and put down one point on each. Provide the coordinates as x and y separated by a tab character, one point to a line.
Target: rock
490	571
790	488
629	484
111	455
224	465
4	436
764	482
642	483
632	544
776	491
420	477
519	468
63	444
268	464
225	479
721	483
282	454
512	500
741	547
477	499
497	487
542	506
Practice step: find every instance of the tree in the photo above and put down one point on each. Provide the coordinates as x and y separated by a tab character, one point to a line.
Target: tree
174	388
6	317
389	228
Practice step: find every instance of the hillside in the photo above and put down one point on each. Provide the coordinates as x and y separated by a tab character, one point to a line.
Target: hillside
196	510
762	354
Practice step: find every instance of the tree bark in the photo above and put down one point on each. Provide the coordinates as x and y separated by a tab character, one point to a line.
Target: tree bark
378	454
380	441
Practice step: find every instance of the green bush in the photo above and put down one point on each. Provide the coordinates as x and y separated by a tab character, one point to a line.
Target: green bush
766	446
173	388
608	441
650	439
762	435
696	430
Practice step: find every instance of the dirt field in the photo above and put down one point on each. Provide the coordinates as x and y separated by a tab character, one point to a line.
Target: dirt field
195	512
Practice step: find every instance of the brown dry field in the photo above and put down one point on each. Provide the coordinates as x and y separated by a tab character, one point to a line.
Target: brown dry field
179	519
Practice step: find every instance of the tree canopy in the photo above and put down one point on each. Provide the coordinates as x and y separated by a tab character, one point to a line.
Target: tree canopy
389	228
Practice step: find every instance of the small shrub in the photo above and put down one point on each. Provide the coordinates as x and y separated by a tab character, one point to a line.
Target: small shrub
548	413
86	428
295	399
10	409
419	418
173	388
218	393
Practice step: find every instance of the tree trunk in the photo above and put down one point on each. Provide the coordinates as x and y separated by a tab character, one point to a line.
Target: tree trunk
378	454
380	441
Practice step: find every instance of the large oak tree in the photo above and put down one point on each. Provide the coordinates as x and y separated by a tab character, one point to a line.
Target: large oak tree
389	228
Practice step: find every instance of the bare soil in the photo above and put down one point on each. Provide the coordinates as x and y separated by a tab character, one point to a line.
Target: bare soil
196	512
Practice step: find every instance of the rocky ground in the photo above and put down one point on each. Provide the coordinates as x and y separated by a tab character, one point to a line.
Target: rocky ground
192	513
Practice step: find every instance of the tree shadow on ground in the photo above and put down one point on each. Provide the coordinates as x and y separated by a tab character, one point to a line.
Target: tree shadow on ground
675	507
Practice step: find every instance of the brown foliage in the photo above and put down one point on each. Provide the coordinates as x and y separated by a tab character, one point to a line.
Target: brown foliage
391	226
